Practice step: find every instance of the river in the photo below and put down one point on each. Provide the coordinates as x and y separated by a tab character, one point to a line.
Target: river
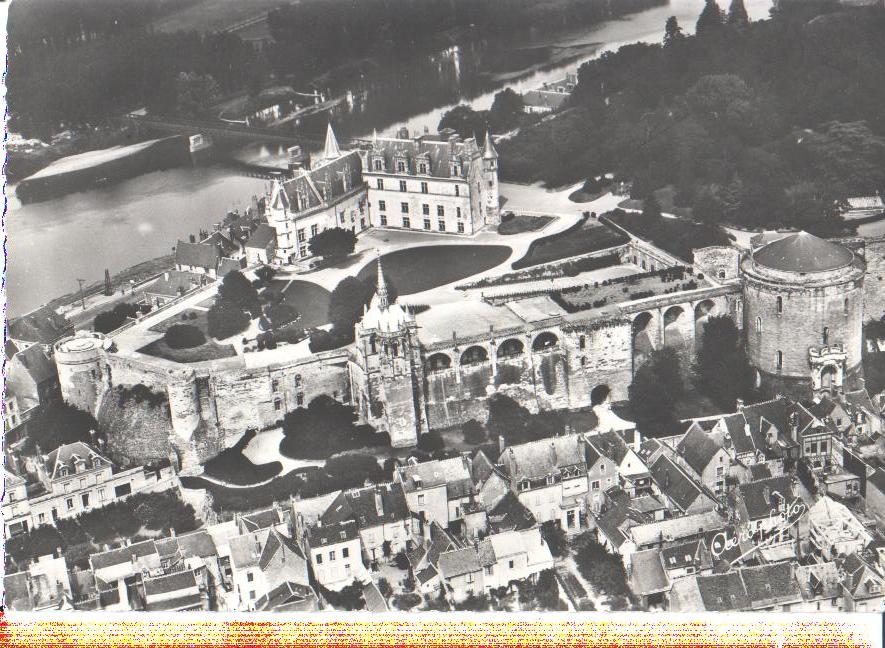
52	244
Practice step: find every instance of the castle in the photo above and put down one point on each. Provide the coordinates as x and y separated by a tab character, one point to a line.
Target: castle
419	183
800	301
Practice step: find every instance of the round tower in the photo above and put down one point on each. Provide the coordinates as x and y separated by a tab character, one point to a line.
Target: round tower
491	198
803	314
79	360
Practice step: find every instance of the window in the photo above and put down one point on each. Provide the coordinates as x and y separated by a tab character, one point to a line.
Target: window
319	559
250	576
402	185
406	222
489	570
41	518
421	498
458	212
275	385
423	187
826	335
85	499
345	553
845	307
422	168
425	209
380	183
347	570
314	230
758	324
427	223
440	211
383	220
251	595
442	226
720	471
469	578
401	167
378	166
404	207
69	503
382	205
277	404
331	556
122	490
582	342
779	359
457	190
510	564
602	468
341	217
301	235
455	170
780	305
460	227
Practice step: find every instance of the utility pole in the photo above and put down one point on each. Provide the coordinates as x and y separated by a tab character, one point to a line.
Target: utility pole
82	296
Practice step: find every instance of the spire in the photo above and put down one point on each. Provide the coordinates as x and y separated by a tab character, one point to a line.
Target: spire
279	199
331	149
383	302
489	152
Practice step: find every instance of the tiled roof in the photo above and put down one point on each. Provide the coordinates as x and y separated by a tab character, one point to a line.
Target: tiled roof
277	542
877	479
227	265
759	471
245	550
723	592
459	562
439	155
427	574
374	600
187	602
123	555
285	594
686	554
177	282
169	583
676	528
818	580
43	326
544	457
647	576
198	255
760	497
324	184
38	365
768	584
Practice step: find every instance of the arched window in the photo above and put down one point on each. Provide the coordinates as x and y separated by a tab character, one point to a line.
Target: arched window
780	305
758	324
845	307
826	335
373	344
779	359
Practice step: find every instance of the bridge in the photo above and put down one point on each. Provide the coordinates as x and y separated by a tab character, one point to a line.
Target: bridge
219	131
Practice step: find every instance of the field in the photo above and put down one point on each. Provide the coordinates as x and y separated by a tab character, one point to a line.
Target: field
417	269
587	236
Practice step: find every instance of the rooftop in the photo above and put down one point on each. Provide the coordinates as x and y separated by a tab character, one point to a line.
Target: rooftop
803	252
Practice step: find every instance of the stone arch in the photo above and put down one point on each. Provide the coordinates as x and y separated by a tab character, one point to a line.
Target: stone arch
674	318
510	348
644	338
439	362
600	394
703	311
474	355
545	341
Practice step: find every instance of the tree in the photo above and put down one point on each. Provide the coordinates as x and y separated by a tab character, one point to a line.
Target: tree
722	370
353	471
604	571
464	120
60	424
507	419
507	110
225	319
238	291
321	429
651	208
333	243
111	320
473	431
710	21
194	94
385	588
555	538
672	32
653	392
737	14
183	336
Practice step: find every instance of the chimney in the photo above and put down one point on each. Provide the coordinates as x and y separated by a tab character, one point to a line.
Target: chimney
171	532
766	495
739	403
501	443
402	133
379	503
513	463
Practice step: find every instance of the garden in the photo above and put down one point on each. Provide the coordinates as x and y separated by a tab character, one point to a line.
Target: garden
414	270
185	339
520	223
307	300
583	237
678	237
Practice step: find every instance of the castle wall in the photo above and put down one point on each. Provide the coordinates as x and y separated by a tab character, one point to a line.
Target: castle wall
719	262
874	282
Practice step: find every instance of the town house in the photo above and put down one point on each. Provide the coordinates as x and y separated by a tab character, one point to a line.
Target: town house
335	553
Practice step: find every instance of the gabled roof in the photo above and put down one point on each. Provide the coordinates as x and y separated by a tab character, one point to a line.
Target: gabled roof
325	184
286	596
38	365
762	496
123	555
697	449
199	255
263	235
675	483
723	592
277	543
332	534
374	600
537	459
169	583
818	580
769	584
647	576
686	554
66	455
609	444
430	474
177	282
260	519
370	506
736	425
186	602
509	514
459	562
678	528
857	574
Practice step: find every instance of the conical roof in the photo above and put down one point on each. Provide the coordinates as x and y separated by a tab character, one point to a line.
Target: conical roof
331	150
489	152
803	252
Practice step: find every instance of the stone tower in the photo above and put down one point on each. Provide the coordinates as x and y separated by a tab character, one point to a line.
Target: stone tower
491	199
82	373
278	217
387	377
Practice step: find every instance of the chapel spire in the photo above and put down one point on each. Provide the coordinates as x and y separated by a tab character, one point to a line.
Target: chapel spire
331	150
383	298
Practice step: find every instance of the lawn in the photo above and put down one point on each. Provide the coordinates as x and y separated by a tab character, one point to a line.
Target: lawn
417	269
309	299
665	197
522	223
190	316
232	467
676	236
211	350
586	236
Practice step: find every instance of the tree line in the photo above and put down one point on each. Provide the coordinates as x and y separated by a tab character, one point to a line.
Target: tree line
754	124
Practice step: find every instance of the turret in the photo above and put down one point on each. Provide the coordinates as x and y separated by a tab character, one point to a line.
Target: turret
330	149
491	200
279	208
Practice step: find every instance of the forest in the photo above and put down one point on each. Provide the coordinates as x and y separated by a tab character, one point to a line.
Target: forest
764	123
74	63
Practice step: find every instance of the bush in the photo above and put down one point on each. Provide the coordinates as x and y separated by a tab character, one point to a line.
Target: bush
232	466
281	314
184	336
474	603
402	562
348	598
226	319
111	320
385	588
431	442
406	601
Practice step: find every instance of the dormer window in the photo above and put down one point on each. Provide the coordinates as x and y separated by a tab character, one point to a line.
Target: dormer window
422	168
456	169
400	166
378	164
63	471
96	462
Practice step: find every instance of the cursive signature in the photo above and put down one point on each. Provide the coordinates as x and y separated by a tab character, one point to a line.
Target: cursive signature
778	523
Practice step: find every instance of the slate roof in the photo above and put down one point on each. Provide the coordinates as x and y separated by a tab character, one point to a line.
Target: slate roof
285	597
544	457
610	445
857	573
438	154
433	473
697	449
509	514
877	479
262	237
647	576
678	528
327	535
686	554
177	282
754	497
769	584
123	555
675	483
64	455
38	365
360	505
324	184
735	424
42	325
818	580
198	543
173	582
276	543
199	255
427	574
723	592
803	252
227	265
759	471
260	519
186	602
